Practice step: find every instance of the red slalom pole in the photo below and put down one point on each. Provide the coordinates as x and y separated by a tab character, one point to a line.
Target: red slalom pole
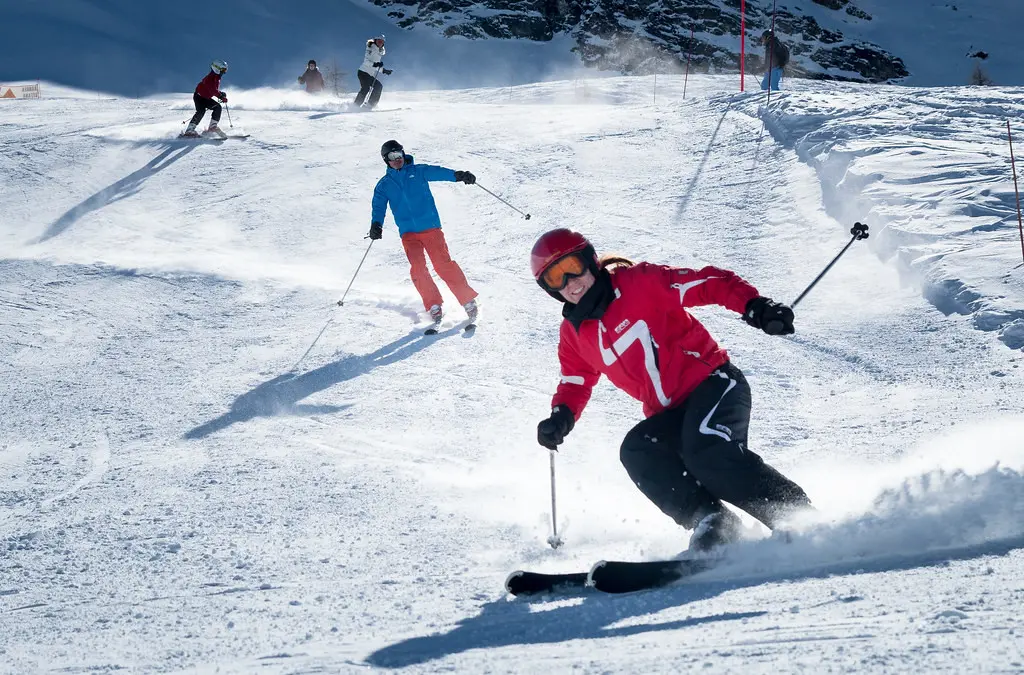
1013	168
687	74
743	40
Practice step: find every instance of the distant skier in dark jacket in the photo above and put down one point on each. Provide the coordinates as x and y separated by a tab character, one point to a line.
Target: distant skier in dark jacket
369	73
312	78
776	57
631	322
208	89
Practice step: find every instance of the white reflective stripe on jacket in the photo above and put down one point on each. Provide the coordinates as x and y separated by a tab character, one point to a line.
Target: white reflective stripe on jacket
373	55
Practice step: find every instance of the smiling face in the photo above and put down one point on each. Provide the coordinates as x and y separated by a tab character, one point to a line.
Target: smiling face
576	287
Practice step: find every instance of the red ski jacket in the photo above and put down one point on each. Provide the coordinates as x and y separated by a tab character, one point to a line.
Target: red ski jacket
646	342
209	86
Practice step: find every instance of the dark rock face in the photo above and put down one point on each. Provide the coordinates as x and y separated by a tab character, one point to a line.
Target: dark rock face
645	36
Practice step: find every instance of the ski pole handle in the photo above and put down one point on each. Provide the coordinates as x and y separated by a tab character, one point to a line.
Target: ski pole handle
526	216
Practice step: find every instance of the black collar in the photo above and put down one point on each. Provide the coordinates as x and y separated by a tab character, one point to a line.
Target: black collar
593	303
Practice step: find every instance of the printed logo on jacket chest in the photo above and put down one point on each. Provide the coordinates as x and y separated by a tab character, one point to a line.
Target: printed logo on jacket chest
622	326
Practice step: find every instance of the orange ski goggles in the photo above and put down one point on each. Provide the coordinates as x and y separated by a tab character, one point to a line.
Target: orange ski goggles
558	273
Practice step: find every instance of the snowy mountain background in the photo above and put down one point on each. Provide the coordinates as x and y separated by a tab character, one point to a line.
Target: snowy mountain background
182	491
141	48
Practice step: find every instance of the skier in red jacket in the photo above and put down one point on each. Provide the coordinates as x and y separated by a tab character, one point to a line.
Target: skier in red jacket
208	89
629	322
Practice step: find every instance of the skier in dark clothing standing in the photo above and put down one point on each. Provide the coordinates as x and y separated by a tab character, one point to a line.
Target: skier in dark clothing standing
776	57
369	73
208	89
312	78
629	322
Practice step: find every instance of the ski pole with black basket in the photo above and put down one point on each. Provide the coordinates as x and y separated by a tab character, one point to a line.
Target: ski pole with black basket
526	216
859	231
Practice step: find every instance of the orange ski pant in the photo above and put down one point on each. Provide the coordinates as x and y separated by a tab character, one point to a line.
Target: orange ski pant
432	243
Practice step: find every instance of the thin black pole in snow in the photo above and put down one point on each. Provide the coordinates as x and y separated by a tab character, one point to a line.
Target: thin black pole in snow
686	75
859	231
1013	169
655	88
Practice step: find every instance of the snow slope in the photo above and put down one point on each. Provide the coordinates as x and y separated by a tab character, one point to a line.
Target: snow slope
180	492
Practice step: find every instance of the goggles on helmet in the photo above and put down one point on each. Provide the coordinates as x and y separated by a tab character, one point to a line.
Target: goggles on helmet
395	154
558	273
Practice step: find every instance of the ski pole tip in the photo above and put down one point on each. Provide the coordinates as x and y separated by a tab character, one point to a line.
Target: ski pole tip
527	216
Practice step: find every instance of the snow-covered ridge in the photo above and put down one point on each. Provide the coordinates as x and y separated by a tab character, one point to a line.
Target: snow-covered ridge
929	170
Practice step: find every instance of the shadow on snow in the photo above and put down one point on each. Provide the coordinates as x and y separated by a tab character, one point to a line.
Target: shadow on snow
503	623
122	189
281	395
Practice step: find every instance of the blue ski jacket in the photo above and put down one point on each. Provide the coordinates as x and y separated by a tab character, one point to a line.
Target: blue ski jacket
408	192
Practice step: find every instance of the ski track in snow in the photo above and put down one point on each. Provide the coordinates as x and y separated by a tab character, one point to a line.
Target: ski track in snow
177	498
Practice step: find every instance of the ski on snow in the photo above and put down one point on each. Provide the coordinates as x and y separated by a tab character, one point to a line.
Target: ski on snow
608	576
436	326
213	138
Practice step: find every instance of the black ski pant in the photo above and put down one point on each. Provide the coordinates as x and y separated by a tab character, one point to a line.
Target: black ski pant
691	458
202	105
368	83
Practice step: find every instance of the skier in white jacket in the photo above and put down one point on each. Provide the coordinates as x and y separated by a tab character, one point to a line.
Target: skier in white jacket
368	73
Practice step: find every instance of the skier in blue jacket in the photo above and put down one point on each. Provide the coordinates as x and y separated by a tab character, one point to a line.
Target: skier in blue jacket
406	188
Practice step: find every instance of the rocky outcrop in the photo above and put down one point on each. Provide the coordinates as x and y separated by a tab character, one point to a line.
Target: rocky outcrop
644	36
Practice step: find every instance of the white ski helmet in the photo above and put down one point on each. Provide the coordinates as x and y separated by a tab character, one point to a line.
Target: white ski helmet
219	67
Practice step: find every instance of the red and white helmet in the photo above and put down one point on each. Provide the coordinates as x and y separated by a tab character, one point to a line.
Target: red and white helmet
553	246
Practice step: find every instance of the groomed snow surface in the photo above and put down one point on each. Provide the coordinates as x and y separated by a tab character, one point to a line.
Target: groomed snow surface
181	492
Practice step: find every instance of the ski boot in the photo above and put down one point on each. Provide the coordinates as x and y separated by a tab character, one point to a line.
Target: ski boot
436	314
471	310
190	132
215	132
716	529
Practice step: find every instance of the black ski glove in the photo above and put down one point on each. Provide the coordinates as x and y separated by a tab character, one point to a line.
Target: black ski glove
772	317
465	177
377	64
376	231
386	71
552	431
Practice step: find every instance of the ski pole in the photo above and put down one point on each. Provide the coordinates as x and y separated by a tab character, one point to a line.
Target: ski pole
525	215
228	111
859	231
373	84
342	301
554	540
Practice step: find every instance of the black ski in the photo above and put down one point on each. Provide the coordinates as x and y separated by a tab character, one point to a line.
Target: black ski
536	583
627	577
